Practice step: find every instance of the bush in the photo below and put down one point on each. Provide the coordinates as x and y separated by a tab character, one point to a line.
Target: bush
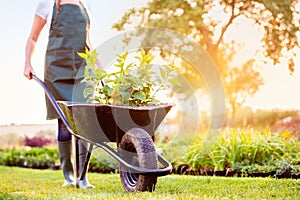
39	158
38	141
246	150
45	158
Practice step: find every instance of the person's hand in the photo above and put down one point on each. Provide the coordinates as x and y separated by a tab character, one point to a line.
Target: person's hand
28	71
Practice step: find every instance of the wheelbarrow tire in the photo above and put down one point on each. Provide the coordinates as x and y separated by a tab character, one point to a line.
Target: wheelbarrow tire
138	149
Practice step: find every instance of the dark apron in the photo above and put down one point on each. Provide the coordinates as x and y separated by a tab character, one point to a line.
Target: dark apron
64	69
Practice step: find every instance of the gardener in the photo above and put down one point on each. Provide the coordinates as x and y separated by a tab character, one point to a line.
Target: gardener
69	22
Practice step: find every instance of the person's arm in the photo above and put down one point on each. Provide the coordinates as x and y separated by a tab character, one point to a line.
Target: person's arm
37	27
58	6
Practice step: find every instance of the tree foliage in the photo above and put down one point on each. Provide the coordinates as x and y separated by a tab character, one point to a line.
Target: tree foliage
196	18
192	17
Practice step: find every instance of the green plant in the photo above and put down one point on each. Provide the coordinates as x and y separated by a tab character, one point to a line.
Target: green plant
43	158
285	166
30	157
133	84
246	150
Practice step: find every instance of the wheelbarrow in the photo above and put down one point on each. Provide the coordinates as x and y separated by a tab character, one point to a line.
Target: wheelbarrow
131	128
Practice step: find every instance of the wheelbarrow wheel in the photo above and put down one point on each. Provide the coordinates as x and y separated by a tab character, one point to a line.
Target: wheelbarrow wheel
137	148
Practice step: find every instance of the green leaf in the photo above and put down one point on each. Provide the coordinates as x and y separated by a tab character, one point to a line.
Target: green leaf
125	96
139	58
143	53
108	90
87	52
129	66
150	59
82	55
139	95
124	56
87	92
163	73
174	81
94	54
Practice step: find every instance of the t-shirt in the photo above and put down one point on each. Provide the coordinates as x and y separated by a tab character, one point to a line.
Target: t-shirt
45	9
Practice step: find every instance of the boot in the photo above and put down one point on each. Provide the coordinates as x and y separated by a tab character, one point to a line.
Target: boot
84	157
65	153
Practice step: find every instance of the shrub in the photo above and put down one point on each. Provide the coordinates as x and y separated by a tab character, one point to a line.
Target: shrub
40	158
38	141
237	149
44	158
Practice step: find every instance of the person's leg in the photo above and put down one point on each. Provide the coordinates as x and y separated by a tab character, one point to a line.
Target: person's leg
65	149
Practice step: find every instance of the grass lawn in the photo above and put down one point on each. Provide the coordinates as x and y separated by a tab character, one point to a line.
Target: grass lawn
21	183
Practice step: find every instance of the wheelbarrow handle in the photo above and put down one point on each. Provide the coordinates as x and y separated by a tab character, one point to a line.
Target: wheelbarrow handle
53	101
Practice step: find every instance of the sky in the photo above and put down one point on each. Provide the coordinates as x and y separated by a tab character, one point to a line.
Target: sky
22	101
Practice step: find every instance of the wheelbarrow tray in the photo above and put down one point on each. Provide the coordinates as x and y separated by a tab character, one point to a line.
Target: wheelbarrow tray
108	123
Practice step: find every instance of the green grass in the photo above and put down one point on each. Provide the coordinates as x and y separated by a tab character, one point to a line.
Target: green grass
21	183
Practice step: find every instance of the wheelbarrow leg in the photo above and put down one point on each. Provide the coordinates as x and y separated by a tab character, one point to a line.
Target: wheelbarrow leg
82	157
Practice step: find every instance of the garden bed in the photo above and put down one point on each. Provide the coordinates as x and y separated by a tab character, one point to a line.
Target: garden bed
236	153
186	170
47	158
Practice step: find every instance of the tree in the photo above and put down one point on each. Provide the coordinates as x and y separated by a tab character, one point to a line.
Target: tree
239	85
195	18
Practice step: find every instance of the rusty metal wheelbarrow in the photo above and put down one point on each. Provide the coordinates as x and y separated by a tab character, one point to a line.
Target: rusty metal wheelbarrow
131	128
